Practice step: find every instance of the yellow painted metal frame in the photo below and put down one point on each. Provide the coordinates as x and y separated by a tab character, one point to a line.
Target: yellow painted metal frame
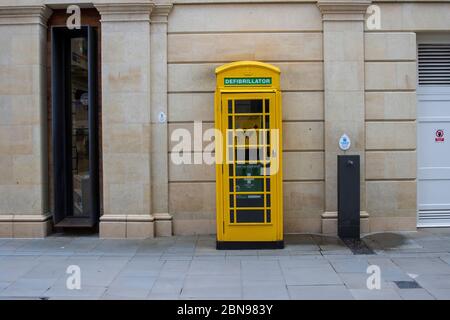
247	232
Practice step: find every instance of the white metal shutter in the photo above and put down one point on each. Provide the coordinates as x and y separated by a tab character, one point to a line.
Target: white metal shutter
433	113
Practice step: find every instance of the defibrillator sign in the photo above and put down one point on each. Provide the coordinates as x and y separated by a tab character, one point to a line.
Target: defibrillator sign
248	81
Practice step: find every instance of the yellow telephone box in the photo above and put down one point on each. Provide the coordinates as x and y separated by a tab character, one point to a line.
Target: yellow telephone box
248	156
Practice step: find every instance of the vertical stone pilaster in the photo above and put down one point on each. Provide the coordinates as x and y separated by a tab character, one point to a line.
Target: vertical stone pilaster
343	45
126	120
159	130
24	208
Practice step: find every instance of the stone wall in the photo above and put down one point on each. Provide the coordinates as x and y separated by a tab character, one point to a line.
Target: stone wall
202	37
161	58
23	125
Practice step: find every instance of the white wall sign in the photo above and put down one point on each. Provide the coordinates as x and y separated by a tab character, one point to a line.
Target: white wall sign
162	117
344	142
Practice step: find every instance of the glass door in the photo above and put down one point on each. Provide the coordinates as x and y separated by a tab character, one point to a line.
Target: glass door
75	127
250	189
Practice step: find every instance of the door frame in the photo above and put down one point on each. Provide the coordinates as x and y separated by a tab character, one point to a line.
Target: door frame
61	124
259	230
424	90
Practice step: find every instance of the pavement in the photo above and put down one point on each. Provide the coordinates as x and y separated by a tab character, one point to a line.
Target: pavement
410	265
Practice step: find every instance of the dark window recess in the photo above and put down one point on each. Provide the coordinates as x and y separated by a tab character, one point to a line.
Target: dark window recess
231	185
231	216
230	106
243	216
249	200
268	216
248	106
266	106
75	127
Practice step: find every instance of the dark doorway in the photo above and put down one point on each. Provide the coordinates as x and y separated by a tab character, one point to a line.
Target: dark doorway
75	141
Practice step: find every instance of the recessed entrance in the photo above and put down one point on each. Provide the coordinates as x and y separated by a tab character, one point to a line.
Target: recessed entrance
75	127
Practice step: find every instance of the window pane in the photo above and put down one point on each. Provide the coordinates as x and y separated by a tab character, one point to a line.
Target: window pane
249	185
249	200
250	216
80	125
248	106
245	169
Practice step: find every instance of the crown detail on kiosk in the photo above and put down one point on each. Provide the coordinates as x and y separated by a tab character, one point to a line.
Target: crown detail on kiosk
248	156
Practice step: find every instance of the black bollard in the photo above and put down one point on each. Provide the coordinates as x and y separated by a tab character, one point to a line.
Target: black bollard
348	197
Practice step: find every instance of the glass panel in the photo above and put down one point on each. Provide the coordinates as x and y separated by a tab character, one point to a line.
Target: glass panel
231	201
230	170
250	216
231	216
249	122
229	141
266	106
267	185
231	185
245	169
249	200
248	106
267	200
230	122
231	154
230	106
249	185
267	169
80	125
268	216
249	154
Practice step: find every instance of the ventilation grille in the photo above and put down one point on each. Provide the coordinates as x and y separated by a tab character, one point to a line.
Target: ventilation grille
434	64
434	218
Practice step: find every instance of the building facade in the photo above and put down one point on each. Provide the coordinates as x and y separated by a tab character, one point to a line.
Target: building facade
378	71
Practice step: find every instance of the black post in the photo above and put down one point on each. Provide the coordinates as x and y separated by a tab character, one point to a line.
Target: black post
348	197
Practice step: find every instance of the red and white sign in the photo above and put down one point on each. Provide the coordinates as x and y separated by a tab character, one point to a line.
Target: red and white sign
439	135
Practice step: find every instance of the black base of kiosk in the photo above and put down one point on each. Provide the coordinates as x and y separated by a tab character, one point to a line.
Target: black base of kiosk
348	197
248	245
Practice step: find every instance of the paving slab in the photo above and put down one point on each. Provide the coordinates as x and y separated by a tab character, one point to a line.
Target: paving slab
323	275
421	265
211	286
415	294
375	294
331	292
441	294
261	290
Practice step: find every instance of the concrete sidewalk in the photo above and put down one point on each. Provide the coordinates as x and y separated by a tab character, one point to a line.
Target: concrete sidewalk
413	265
